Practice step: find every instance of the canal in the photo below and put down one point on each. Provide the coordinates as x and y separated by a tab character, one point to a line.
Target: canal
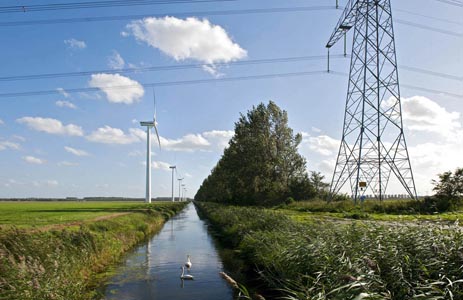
152	271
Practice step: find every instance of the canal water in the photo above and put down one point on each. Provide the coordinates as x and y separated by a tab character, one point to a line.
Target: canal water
152	271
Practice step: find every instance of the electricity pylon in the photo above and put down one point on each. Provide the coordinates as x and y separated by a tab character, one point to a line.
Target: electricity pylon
373	143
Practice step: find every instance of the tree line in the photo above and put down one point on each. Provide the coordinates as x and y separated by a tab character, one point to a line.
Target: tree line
261	165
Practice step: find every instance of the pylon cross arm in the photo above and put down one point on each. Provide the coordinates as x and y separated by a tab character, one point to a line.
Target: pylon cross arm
345	23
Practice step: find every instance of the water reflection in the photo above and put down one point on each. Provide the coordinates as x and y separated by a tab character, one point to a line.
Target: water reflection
153	270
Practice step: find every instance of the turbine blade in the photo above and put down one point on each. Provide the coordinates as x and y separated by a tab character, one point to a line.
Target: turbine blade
157	134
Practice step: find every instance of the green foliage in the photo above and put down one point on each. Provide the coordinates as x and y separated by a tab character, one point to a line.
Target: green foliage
36	263
331	260
261	166
450	184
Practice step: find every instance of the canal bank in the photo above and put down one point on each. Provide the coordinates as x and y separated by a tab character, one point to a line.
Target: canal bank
65	261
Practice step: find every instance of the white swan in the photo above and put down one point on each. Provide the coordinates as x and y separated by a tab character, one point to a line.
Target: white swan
188	262
186	277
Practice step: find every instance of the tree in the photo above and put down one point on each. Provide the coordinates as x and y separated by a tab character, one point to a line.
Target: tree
450	184
261	165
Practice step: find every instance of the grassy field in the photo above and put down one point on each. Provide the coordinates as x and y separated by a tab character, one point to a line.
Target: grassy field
317	256
58	250
35	213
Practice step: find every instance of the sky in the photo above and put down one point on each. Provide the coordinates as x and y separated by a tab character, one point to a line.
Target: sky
82	138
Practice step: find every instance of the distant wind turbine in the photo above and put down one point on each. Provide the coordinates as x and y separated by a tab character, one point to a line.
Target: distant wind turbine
148	125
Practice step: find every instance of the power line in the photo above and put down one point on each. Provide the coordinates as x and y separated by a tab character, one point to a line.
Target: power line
96	4
428	17
430	28
204	81
167	68
200	65
180	14
452	2
161	84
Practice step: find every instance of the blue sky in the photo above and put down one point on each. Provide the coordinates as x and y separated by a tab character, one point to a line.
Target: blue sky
90	143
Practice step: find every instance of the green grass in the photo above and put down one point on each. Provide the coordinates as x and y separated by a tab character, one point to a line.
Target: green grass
64	262
34	213
315	256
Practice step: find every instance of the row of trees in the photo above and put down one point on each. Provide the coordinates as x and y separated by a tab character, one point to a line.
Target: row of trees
262	165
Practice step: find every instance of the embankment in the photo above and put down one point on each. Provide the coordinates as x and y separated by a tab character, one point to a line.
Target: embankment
63	261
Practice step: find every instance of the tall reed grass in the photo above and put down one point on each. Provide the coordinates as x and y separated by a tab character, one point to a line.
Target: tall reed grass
62	264
330	260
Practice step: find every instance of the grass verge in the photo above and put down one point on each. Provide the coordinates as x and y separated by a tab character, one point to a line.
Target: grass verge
62	262
332	260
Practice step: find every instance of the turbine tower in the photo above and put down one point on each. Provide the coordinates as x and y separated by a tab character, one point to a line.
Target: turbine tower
148	125
373	143
179	186
173	169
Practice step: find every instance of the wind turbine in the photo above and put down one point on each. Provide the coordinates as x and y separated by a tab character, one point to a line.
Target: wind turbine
148	125
173	169
179	186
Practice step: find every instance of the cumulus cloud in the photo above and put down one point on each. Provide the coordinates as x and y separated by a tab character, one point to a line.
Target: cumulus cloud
76	152
160	165
423	114
75	44
8	145
1	122
64	103
34	160
219	138
188	143
321	144
117	88
51	126
115	61
189	38
110	135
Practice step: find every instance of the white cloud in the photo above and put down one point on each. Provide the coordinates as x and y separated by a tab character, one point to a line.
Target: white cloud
51	126
67	164
321	144
63	92
187	39
118	88
115	61
75	44
423	114
8	145
76	152
219	138
34	160
109	135
64	103
1	122
188	143
160	165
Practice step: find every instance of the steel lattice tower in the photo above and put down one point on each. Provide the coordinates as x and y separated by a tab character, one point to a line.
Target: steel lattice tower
373	143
